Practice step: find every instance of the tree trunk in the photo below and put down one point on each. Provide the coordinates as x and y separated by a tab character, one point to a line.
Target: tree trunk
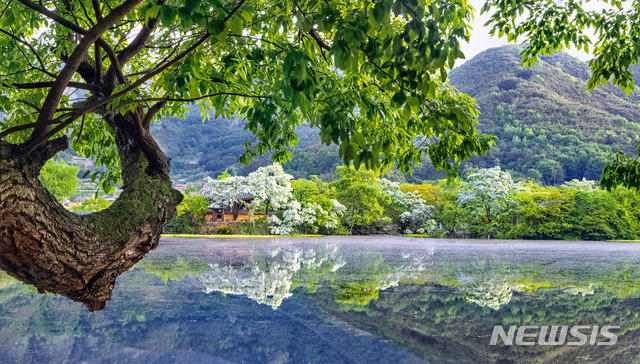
43	244
235	210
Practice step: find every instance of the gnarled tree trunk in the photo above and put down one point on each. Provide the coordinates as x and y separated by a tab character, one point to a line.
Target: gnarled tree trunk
43	244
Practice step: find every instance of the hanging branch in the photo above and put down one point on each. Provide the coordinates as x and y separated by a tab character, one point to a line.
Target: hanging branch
71	65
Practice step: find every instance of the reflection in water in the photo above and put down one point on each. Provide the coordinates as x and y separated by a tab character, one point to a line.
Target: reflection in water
268	280
493	292
324	300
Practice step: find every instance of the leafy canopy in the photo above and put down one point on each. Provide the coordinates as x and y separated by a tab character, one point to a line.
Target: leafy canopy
371	75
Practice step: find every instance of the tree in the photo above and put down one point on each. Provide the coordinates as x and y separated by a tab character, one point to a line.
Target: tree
552	26
414	214
195	208
370	75
488	192
226	192
304	190
60	179
92	205
224	175
270	185
358	191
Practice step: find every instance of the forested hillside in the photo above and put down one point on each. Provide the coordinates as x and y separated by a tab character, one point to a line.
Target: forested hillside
214	146
549	127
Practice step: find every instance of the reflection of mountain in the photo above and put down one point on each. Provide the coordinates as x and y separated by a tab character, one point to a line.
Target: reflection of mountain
439	324
348	300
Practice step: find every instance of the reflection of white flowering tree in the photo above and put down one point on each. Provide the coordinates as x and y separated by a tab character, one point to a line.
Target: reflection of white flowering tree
271	185
491	292
225	192
417	214
270	283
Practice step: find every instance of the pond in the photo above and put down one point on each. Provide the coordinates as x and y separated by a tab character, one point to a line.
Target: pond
342	299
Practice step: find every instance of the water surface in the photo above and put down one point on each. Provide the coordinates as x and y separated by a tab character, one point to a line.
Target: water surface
334	300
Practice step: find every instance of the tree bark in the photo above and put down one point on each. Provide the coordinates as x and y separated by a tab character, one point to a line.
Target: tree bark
43	244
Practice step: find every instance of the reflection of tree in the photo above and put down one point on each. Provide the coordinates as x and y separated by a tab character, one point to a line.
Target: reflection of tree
269	280
366	282
177	270
439	324
420	302
6	280
493	292
370	280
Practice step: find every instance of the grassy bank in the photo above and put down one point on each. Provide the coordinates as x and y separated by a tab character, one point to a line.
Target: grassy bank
237	236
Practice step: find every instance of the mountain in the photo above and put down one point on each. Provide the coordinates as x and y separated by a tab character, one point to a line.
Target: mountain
548	126
214	146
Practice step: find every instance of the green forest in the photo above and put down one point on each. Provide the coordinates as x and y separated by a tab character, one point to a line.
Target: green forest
488	204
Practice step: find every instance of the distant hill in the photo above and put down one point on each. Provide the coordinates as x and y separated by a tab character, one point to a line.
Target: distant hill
213	146
549	127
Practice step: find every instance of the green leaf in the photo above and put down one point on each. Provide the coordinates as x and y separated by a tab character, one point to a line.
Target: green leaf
167	15
216	27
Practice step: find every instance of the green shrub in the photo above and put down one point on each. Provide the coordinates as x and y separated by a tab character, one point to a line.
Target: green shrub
256	227
224	230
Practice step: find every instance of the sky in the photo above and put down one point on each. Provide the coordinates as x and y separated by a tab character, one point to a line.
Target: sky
481	40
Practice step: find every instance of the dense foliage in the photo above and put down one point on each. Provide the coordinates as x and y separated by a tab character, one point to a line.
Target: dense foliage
488	204
60	179
574	211
370	76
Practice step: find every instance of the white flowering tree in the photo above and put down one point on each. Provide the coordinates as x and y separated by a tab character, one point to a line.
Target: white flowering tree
311	217
225	193
416	215
488	193
585	185
271	185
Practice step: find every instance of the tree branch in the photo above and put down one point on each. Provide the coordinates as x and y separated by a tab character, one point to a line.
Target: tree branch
131	49
5	8
28	148
31	105
314	34
139	41
169	99
80	132
234	10
44	84
33	50
17	128
96	9
76	28
153	110
98	60
77	56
